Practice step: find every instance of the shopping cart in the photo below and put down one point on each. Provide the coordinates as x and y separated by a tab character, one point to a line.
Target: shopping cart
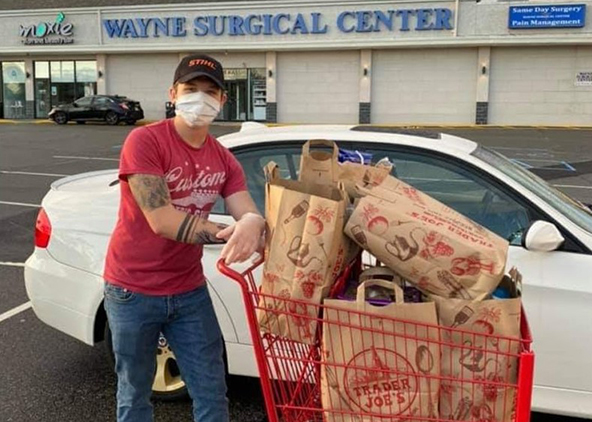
295	377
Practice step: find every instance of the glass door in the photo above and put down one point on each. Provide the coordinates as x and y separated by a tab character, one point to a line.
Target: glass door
42	90
235	108
13	89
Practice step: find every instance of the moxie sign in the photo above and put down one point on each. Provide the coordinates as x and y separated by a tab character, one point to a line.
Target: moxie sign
291	24
48	33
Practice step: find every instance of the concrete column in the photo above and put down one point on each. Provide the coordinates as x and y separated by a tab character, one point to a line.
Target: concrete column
102	70
29	111
271	86
483	71
365	106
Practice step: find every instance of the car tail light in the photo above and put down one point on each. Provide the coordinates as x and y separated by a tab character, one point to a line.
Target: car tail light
42	229
124	106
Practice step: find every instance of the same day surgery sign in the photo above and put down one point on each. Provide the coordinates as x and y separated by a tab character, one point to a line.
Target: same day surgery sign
428	19
553	16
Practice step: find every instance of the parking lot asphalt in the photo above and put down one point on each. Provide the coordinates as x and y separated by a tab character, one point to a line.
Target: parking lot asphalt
47	376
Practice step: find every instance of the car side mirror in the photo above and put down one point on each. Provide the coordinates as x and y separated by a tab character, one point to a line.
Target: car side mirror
542	236
75	104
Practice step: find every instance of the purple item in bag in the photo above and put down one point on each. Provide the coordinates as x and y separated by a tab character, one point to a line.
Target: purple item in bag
354	156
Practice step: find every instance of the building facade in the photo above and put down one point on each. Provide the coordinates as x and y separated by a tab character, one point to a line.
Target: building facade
296	61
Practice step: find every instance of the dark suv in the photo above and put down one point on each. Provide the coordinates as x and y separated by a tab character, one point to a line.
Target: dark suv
110	108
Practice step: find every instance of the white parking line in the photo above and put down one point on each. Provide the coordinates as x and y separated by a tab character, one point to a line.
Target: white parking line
19	204
85	158
27	173
12	264
15	311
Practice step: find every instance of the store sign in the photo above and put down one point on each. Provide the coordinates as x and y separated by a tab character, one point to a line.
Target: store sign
235	74
556	16
365	21
48	33
583	79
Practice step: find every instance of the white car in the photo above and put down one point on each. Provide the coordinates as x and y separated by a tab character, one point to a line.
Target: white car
64	283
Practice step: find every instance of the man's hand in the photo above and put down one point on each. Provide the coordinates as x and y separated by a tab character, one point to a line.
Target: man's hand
243	238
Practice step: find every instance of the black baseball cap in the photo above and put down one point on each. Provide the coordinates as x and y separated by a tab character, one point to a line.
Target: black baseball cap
196	65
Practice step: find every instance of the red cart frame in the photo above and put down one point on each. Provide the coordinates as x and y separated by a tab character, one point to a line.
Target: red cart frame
291	372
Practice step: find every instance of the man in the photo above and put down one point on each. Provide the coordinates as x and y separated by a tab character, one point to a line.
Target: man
171	174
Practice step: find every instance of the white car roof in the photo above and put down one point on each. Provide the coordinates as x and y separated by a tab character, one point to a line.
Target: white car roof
256	133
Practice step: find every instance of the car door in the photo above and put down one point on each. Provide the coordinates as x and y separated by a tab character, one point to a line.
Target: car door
557	289
81	109
100	107
252	158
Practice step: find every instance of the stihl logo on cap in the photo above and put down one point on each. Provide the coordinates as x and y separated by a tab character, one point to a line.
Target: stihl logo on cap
202	62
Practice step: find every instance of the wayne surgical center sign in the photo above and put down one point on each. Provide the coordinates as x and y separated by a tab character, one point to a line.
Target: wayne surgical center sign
428	19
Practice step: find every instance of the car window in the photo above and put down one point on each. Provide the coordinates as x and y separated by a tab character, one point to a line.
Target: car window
84	102
577	212
461	188
101	101
254	159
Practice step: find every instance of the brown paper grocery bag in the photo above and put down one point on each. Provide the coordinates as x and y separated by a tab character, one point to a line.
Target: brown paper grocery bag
351	174
478	367
305	251
426	242
323	167
317	166
373	365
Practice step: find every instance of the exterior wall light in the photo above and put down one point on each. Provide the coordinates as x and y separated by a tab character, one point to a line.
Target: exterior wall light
365	71
270	73
483	70
100	73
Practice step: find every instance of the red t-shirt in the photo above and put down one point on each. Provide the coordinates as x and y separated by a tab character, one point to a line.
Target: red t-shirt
137	258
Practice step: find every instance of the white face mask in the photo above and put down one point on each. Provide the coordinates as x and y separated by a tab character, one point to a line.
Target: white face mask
197	108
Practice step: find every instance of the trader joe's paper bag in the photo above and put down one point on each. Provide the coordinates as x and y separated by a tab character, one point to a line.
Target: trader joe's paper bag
351	174
319	166
376	364
323	167
481	366
426	242
305	251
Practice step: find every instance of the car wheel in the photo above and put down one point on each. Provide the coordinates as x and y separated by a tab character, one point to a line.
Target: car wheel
112	118
60	118
130	122
167	384
80	122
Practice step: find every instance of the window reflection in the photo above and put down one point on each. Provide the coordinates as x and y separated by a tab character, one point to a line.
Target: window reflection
13	89
62	82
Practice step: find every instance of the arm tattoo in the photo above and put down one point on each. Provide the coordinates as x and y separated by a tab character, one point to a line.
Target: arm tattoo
197	231
183	227
206	237
151	192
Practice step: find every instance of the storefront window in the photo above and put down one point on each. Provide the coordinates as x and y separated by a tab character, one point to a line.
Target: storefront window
13	89
259	94
246	94
86	78
42	87
62	82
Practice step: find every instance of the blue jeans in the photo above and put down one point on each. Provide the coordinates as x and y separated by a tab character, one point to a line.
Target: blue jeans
189	324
